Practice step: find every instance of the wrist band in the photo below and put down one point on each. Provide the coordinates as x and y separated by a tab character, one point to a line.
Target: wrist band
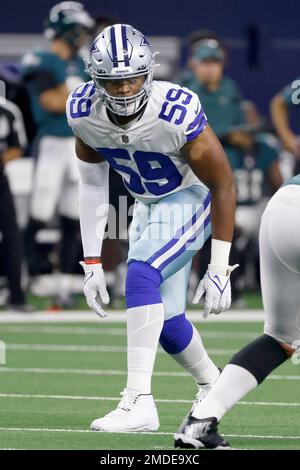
93	261
220	251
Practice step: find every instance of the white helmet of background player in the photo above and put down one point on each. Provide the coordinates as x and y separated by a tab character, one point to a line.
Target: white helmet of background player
121	51
68	21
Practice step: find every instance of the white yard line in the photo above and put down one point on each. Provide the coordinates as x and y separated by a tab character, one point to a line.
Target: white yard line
9	448
41	370
157	433
62	330
87	348
119	316
84	431
158	400
66	348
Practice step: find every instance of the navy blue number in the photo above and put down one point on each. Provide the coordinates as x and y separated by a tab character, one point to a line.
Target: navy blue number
147	166
81	107
133	180
168	109
152	166
174	95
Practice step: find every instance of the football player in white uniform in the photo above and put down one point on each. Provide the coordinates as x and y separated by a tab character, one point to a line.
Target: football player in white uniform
279	244
155	134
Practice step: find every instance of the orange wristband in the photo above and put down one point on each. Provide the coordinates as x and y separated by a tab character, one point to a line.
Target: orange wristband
93	261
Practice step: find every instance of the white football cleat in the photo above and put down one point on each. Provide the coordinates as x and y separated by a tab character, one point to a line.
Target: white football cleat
202	392
135	412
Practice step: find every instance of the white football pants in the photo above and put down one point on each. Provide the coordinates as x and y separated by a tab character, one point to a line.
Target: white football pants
280	264
55	179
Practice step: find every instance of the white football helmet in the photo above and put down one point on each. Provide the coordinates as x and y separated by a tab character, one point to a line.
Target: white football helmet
120	51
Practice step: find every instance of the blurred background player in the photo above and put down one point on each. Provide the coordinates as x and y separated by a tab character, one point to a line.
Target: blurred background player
253	154
12	144
220	94
49	76
282	105
257	175
280	270
222	102
186	76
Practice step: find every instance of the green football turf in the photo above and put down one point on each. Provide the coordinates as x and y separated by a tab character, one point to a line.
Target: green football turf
252	300
50	394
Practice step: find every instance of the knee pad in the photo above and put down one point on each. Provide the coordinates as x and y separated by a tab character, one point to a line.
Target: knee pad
142	285
176	334
260	357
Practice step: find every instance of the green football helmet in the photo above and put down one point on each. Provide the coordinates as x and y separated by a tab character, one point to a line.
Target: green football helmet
68	20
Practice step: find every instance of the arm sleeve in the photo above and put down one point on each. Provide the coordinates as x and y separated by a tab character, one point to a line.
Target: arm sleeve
93	205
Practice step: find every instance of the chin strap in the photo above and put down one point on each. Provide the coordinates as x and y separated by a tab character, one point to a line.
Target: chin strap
115	120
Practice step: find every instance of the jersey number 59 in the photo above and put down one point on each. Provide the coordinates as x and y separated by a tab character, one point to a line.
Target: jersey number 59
79	106
156	171
170	110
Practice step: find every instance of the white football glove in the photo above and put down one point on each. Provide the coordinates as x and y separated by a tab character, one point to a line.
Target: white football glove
217	289
94	287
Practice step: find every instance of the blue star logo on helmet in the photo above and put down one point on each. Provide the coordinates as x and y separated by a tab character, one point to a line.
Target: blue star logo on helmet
94	48
144	42
96	53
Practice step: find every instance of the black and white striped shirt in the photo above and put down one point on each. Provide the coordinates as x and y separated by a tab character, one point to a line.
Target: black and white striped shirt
12	130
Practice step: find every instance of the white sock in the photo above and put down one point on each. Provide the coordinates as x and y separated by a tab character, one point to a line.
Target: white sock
196	361
144	325
233	384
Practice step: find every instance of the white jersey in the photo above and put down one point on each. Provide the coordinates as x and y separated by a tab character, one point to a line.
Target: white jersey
147	151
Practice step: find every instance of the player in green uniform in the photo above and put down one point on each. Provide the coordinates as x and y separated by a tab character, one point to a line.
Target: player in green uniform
49	76
281	105
219	94
253	157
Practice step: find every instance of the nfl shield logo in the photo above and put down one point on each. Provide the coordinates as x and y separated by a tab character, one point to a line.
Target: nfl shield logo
125	139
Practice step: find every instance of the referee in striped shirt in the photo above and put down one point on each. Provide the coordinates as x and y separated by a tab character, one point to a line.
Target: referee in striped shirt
12	143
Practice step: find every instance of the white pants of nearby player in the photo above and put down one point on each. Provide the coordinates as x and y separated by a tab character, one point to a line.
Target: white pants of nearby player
280	264
55	181
247	218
